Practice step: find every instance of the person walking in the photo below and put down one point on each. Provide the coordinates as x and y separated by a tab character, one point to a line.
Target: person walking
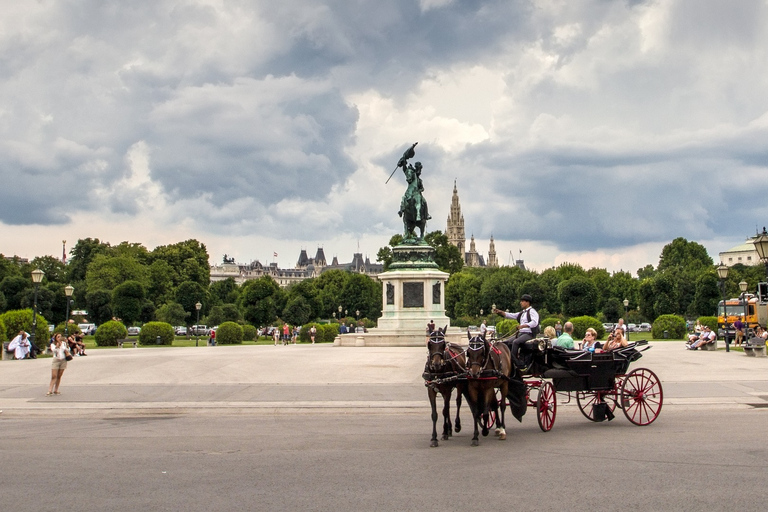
312	333
60	351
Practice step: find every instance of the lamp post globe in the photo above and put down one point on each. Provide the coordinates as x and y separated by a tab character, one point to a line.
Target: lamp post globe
68	291
197	334
37	277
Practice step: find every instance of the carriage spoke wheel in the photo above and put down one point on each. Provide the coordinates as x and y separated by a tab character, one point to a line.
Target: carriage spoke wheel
546	406
641	396
586	399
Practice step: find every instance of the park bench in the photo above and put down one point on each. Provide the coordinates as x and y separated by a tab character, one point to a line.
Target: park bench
754	347
712	345
134	341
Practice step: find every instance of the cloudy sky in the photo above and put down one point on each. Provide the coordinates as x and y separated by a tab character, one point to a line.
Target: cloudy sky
583	131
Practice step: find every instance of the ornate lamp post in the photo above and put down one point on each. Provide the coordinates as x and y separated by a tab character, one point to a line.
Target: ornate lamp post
761	246
37	277
340	310
626	316
68	291
722	273
197	334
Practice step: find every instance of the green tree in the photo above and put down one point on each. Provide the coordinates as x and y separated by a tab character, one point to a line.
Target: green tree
260	300
311	295
14	287
707	295
361	293
82	254
297	311
107	272
224	292
613	309
99	304
462	295
578	296
500	288
172	313
447	255
188	259
190	293
127	301
680	253
646	298
329	289
161	287
55	271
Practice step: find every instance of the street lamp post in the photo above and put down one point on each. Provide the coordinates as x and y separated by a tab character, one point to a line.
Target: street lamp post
761	246
340	310
744	304
68	291
722	273
37	277
197	334
626	316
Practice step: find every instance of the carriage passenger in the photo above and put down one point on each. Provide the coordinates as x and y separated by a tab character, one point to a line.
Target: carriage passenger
590	340
615	340
565	340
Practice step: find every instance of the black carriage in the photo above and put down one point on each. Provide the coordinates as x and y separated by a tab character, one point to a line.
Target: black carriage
598	380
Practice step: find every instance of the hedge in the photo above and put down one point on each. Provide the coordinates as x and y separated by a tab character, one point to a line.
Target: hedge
582	323
3	337
506	327
711	321
673	324
229	333
550	320
151	330
21	319
249	332
73	329
109	332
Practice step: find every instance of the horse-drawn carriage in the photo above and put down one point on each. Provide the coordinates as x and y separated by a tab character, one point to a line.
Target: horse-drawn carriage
598	380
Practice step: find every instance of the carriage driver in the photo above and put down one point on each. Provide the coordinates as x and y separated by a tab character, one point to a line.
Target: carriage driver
528	329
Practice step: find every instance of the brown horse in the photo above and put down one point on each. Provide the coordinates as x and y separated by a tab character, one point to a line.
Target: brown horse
489	366
445	363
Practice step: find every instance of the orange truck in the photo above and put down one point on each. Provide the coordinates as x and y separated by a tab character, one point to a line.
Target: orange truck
748	308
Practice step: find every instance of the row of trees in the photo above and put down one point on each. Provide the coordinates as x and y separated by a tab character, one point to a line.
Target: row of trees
129	282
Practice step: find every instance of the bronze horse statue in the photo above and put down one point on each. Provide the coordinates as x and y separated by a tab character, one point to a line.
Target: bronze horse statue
445	363
489	366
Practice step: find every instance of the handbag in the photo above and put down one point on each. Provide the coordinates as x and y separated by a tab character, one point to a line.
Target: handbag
68	357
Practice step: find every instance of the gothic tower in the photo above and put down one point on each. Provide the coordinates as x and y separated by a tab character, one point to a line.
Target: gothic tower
492	261
455	228
473	259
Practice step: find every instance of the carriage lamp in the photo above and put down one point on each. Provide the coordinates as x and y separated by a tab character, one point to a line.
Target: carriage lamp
68	291
37	277
626	317
761	246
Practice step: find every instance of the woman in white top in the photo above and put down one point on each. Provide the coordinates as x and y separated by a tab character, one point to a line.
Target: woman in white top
60	351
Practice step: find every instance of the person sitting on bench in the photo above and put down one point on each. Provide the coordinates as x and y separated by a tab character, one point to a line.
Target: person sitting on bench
706	336
20	345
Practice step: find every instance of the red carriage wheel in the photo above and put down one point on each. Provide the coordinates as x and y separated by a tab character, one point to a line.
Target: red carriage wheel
492	412
546	406
586	399
641	396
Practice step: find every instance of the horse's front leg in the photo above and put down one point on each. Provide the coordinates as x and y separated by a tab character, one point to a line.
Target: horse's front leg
433	403
457	423
475	409
500	416
447	427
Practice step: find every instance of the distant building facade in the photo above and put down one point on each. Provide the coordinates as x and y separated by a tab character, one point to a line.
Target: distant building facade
743	253
305	268
456	234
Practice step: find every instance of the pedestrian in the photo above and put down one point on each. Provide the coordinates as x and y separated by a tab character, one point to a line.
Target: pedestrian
558	328
61	352
312	333
20	346
286	334
212	339
275	334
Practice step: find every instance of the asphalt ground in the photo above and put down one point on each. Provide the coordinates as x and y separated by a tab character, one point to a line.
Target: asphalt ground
347	429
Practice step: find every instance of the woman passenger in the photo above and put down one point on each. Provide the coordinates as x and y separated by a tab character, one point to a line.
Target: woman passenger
615	340
590	340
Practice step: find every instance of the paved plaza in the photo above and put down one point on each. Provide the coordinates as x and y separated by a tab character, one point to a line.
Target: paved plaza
347	429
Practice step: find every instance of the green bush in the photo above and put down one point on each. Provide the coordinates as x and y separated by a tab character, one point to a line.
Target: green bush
18	319
3	337
229	333
249	332
506	327
582	323
73	329
109	332
327	333
711	321
151	330
549	321
674	324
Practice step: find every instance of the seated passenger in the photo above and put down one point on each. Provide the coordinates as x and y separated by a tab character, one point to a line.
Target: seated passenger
707	336
549	332
590	340
615	340
565	340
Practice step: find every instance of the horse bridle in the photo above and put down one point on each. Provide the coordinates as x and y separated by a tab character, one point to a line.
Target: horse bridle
476	343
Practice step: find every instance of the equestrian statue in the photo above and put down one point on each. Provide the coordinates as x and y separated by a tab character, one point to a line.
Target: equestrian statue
413	206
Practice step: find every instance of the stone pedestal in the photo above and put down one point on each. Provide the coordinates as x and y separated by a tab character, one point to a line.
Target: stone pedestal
413	294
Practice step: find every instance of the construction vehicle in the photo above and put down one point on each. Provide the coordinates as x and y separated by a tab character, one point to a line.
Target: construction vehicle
751	309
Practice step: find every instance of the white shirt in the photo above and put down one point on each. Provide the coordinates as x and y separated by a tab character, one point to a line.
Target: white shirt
20	346
522	318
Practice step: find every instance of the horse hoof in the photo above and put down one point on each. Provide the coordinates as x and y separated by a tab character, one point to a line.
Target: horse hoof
485	432
457	428
445	437
498	431
475	442
433	444
503	436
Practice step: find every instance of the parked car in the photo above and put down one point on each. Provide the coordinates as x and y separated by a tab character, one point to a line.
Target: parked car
200	330
180	330
608	327
134	331
644	327
632	327
87	329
